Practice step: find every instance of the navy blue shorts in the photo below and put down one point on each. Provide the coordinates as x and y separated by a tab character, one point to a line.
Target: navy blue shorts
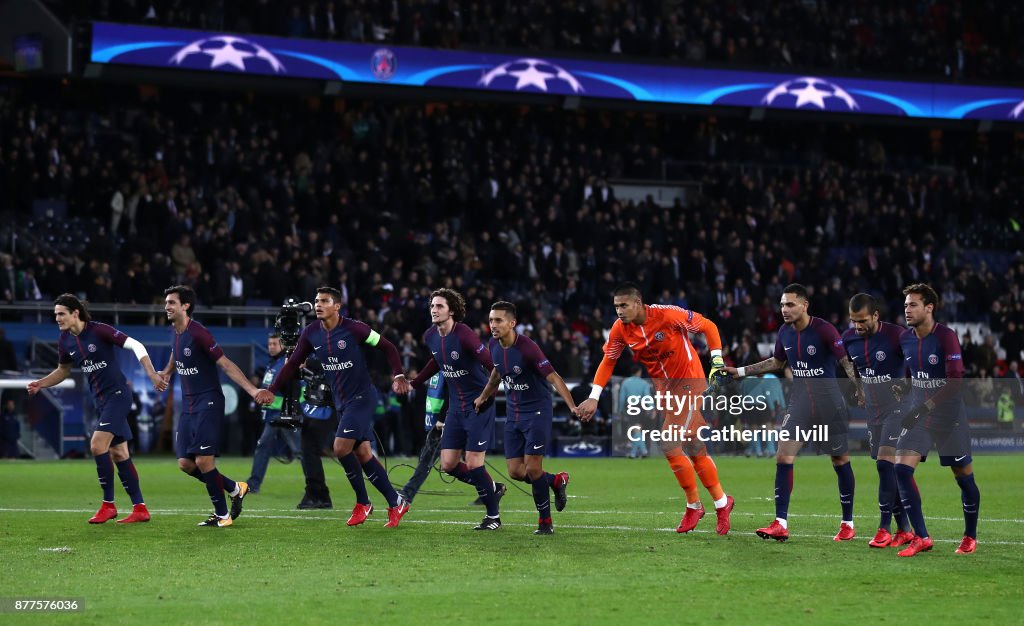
885	432
468	430
952	440
822	424
199	425
355	417
113	416
529	434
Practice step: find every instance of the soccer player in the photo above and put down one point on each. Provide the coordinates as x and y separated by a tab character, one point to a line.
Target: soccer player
272	435
195	357
937	417
527	375
812	347
874	349
90	345
657	335
466	365
336	341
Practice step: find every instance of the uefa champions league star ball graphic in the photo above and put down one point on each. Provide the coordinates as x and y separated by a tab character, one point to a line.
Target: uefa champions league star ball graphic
530	73
230	51
1017	110
810	91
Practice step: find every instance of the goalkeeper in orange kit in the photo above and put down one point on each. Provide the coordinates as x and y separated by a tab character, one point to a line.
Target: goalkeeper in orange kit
657	335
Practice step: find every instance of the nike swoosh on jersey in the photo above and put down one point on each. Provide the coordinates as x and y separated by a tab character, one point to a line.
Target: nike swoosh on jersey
789	348
204	447
960	458
104	423
633	345
480	443
348	430
73	353
317	347
538	447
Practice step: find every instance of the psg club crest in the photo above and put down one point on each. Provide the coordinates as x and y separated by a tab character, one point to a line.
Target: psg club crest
92	347
659	336
455	355
225	51
934	360
517	370
811	350
341	344
383	64
187	351
879	356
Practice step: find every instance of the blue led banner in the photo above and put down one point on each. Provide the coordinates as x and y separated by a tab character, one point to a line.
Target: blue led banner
418	67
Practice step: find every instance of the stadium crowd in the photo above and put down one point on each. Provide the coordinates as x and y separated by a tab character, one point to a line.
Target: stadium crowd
250	201
948	39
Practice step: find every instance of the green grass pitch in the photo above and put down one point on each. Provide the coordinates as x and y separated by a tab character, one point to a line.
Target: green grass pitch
614	559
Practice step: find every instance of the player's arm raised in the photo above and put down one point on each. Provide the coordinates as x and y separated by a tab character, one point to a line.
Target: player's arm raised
62	371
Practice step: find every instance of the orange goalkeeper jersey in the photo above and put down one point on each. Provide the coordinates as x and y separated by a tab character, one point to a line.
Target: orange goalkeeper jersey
660	343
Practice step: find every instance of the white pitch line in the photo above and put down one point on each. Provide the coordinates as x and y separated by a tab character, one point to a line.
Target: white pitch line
467	524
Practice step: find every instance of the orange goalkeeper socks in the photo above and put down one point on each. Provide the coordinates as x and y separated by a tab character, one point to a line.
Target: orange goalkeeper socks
683	469
707	471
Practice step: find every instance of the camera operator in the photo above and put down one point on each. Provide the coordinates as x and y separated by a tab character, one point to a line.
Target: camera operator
272	435
321	420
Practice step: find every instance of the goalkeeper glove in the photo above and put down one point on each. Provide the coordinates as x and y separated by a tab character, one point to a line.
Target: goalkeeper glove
913	416
718	375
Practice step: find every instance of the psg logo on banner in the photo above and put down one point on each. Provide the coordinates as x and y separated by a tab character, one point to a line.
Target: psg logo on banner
341	344
92	347
187	351
879	356
455	355
811	350
383	64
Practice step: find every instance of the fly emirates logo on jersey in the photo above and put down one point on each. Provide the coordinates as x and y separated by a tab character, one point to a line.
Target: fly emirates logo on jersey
870	378
333	364
451	372
804	370
923	381
89	366
185	371
511	385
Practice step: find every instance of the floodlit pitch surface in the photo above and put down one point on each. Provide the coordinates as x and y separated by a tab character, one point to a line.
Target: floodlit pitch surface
615	556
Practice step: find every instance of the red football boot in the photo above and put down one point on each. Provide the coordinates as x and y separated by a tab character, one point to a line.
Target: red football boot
901	538
359	514
773	531
917	544
396	512
846	532
967	546
723	525
882	539
690	519
106	513
139	514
